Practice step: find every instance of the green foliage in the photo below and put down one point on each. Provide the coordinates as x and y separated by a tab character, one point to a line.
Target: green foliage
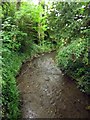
13	38
73	60
12	62
70	54
30	20
45	46
20	31
29	31
9	89
73	31
66	21
8	9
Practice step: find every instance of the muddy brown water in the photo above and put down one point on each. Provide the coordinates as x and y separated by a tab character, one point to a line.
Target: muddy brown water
46	93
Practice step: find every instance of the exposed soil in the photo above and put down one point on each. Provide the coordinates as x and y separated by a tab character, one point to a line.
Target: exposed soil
46	93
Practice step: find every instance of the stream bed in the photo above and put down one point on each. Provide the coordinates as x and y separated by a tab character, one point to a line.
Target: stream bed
46	93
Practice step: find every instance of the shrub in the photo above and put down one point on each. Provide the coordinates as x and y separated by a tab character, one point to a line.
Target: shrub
73	61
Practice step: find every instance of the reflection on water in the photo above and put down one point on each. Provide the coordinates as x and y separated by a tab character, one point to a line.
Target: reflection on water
46	93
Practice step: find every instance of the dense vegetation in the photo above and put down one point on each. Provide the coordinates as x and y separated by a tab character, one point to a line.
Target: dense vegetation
29	29
69	26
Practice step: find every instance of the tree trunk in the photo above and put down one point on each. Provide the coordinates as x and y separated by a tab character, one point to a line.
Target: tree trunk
18	4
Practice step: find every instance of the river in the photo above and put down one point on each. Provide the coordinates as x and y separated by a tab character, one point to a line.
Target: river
46	93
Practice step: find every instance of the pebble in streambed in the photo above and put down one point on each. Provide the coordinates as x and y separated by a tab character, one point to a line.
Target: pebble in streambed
47	93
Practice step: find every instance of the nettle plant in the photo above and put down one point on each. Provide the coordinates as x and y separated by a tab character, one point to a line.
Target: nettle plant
12	36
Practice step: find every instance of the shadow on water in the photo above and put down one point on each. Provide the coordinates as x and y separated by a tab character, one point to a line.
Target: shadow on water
46	93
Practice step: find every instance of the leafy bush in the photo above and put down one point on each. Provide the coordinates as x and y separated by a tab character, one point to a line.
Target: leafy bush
13	38
69	54
12	62
67	21
73	31
9	89
74	62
